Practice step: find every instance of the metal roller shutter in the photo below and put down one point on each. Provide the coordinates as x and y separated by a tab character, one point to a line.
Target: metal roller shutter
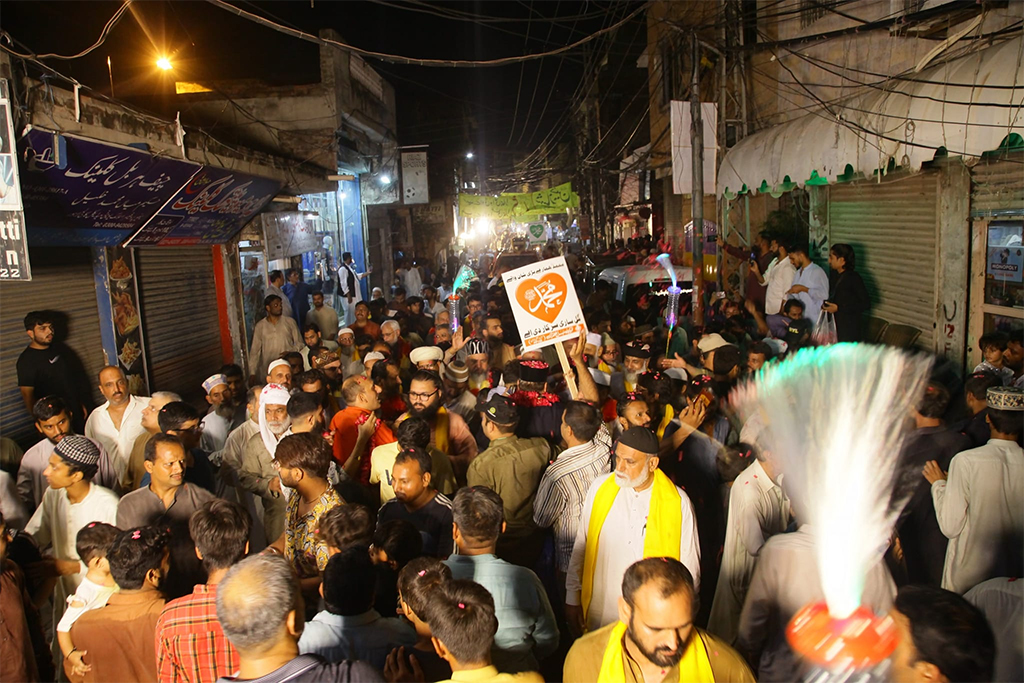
892	227
62	280
997	187
178	298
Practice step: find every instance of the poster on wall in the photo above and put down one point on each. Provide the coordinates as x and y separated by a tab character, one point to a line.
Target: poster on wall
14	263
415	189
544	303
124	307
289	233
1005	251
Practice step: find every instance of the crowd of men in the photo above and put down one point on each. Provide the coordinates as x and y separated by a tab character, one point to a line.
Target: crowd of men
384	499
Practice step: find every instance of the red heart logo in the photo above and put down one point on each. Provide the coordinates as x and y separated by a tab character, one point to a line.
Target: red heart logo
542	298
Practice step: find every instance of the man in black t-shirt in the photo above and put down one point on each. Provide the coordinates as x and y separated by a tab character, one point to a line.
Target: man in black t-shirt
420	503
48	368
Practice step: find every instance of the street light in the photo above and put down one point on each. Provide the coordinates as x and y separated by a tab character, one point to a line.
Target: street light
164	63
469	155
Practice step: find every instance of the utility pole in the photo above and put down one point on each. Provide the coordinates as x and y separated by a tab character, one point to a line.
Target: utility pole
697	186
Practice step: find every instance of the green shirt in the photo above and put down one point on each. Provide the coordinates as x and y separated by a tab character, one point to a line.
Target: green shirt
512	468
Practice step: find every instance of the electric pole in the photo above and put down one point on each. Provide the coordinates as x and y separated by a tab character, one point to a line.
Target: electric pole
697	187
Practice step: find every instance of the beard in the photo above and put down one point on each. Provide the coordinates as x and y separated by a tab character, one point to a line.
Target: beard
659	656
478	378
426	412
627	483
225	410
630	377
277	427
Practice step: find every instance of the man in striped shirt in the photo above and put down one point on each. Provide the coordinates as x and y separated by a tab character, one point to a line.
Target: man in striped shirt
190	645
559	500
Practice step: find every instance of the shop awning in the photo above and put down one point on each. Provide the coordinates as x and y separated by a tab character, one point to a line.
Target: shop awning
966	106
83	192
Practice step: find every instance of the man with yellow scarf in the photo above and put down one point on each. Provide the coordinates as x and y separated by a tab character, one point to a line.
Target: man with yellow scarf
633	513
654	639
449	433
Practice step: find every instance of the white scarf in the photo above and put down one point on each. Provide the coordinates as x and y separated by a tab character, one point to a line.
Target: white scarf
273	395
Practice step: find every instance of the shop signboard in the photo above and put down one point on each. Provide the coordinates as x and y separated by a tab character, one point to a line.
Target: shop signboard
210	209
289	233
415	189
544	303
88	193
429	214
14	263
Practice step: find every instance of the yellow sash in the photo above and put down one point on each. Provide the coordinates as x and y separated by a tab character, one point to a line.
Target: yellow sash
440	429
694	667
661	538
669	414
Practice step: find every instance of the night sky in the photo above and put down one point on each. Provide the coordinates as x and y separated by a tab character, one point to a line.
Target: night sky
205	41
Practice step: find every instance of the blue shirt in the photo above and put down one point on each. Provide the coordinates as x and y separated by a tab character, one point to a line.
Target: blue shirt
526	625
367	637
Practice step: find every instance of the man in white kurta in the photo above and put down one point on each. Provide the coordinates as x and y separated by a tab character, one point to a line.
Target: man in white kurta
787	578
979	503
71	502
117	440
621	542
758	510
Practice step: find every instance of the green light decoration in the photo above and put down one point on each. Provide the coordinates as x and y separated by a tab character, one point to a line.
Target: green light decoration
462	279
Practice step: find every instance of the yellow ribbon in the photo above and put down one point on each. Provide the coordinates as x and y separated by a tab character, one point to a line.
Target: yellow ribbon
694	667
661	537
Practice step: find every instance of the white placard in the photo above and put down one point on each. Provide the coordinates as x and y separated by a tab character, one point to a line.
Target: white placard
544	303
415	188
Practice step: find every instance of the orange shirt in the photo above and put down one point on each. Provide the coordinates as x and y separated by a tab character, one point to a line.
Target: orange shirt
371	328
345	427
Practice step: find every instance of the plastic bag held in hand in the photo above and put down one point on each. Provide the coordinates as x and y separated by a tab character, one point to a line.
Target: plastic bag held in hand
824	330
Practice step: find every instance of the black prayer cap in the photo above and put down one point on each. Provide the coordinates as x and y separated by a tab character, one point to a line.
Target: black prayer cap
640	438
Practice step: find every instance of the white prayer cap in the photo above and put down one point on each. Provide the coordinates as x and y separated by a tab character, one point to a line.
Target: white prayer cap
424	354
346	330
277	363
593	338
373	355
601	378
676	373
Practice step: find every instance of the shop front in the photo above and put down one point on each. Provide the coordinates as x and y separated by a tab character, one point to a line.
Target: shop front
145	288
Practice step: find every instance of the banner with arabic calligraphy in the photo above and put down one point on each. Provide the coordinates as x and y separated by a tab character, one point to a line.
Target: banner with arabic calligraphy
210	209
89	193
544	303
511	205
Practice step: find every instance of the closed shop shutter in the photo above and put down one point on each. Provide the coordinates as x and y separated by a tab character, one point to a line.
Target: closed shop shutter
62	280
997	187
178	298
892	227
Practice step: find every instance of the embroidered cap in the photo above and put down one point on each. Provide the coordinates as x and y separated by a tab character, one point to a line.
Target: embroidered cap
476	346
1010	399
533	371
78	449
456	372
213	381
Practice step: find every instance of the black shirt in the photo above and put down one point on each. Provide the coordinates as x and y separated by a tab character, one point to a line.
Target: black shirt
433	521
924	545
52	372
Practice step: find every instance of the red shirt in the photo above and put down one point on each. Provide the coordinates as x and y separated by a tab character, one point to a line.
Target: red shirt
190	645
345	427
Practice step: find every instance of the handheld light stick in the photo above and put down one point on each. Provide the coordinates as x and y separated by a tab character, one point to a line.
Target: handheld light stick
672	307
462	279
833	421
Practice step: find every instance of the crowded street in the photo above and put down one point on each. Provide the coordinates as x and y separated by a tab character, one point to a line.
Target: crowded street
513	341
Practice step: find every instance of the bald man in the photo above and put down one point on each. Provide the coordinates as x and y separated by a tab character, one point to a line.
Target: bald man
260	609
118	422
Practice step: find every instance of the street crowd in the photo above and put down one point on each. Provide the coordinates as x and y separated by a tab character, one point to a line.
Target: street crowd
384	498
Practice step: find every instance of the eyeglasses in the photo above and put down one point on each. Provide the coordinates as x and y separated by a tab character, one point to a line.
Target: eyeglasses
191	430
423	397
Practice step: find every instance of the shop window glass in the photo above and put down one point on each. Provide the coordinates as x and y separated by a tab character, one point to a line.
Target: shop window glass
1004	266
